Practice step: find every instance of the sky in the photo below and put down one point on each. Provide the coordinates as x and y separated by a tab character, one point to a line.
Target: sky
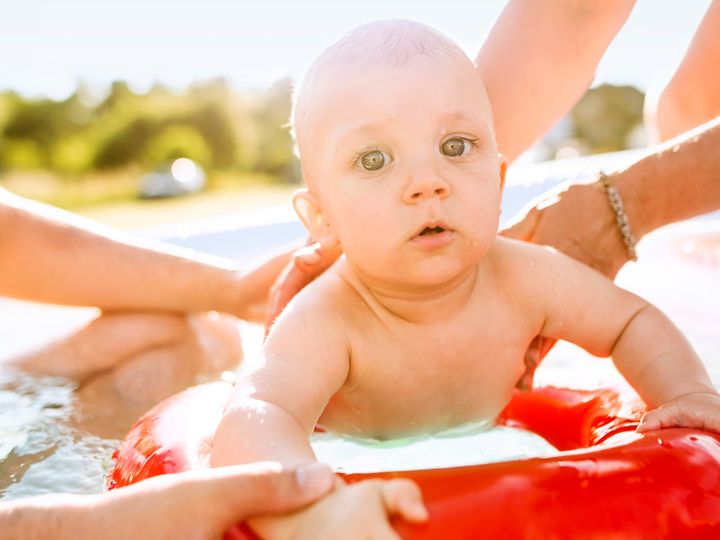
48	46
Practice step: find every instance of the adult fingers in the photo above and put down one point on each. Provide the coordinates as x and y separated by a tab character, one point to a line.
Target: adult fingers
238	492
318	257
536	351
291	281
522	225
531	359
307	264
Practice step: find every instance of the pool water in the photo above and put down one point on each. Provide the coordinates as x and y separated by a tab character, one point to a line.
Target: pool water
48	443
41	448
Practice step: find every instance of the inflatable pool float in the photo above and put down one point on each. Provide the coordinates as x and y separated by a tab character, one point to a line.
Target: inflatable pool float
606	481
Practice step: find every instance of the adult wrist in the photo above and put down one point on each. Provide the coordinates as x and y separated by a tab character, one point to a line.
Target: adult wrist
638	208
231	294
621	219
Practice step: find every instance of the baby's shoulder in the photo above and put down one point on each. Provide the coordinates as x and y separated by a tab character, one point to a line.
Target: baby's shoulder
525	268
518	256
329	296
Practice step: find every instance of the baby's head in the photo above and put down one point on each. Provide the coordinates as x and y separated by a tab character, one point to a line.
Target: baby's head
395	137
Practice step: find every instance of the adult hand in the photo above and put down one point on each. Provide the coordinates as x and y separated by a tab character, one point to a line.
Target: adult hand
306	264
200	504
577	220
250	302
357	511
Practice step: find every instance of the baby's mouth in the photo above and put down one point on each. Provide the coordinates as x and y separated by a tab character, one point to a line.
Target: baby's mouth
434	235
432	230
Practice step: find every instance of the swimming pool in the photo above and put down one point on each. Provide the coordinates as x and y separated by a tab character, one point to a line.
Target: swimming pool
49	444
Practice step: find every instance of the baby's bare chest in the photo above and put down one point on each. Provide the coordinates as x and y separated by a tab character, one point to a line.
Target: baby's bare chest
407	378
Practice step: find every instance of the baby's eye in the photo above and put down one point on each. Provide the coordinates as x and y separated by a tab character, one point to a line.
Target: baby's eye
375	160
456	147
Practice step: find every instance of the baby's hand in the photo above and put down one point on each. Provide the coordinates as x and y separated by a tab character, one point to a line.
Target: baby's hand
699	410
361	511
356	511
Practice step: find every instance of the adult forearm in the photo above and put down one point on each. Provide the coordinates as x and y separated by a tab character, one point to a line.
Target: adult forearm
679	181
539	59
56	257
55	517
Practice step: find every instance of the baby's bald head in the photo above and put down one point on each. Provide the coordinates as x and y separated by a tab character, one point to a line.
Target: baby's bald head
394	129
383	44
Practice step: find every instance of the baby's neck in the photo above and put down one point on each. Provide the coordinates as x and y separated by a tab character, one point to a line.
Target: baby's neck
423	304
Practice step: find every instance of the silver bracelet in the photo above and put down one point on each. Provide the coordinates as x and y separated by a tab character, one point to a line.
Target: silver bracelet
621	219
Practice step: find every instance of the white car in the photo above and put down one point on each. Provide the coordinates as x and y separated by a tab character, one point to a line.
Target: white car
182	176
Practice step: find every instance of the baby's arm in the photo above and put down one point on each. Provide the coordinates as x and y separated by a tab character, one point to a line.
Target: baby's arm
274	409
277	401
586	308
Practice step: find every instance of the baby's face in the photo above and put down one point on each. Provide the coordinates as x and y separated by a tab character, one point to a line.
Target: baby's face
404	163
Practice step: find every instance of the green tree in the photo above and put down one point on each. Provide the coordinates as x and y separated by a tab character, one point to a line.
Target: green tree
176	141
606	115
274	144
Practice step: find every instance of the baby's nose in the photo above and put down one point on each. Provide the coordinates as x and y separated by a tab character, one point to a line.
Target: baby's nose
426	187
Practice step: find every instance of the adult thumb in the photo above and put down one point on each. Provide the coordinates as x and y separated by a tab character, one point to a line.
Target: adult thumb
266	488
522	225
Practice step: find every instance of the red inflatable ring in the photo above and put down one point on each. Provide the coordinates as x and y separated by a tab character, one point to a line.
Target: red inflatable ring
663	484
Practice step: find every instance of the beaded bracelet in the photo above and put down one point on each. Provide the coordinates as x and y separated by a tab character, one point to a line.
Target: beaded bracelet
621	219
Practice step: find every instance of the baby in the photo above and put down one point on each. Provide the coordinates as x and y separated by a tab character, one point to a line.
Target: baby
423	324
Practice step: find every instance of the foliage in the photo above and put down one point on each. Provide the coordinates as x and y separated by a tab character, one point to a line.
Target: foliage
224	130
233	134
605	117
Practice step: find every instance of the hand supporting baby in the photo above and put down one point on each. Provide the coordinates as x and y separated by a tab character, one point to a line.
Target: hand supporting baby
359	511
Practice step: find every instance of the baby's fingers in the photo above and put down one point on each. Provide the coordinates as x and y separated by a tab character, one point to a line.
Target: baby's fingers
655	419
675	416
403	498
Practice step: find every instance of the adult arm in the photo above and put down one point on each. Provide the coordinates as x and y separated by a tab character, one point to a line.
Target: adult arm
692	96
53	256
678	180
539	59
199	504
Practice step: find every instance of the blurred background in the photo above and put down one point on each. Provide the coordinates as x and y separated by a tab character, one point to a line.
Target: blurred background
105	104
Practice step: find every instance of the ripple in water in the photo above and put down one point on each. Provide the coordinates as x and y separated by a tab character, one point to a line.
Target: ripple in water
41	450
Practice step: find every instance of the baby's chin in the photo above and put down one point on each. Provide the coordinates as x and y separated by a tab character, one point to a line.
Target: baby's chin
426	275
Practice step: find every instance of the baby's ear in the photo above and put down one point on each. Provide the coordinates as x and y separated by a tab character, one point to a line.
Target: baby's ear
307	207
